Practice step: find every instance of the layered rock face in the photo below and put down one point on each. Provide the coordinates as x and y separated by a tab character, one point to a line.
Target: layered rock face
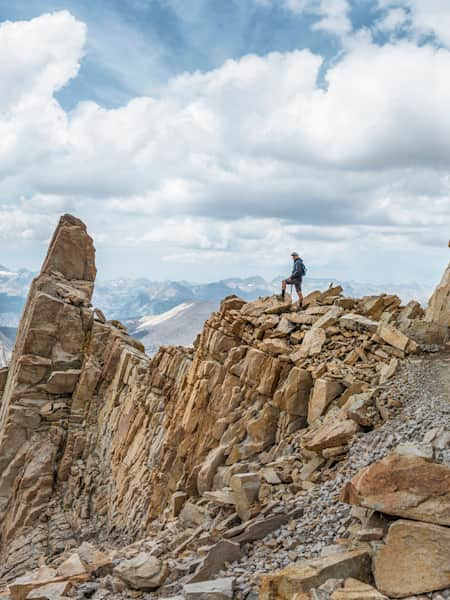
215	444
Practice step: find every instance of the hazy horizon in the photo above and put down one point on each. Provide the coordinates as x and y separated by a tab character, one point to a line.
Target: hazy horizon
198	137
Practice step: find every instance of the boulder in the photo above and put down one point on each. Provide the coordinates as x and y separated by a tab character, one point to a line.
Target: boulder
303	576
215	458
330	435
324	392
413	560
438	310
71	567
403	485
357	322
329	318
357	590
245	488
97	563
51	591
218	589
225	551
260	528
293	396
143	572
313	342
392	336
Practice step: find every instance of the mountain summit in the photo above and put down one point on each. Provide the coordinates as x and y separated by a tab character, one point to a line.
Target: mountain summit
215	471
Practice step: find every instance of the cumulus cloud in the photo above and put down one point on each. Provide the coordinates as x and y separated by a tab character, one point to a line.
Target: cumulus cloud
254	154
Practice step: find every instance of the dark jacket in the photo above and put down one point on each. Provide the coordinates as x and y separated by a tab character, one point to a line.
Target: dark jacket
297	271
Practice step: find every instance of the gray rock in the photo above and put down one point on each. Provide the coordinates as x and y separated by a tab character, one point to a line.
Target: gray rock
218	589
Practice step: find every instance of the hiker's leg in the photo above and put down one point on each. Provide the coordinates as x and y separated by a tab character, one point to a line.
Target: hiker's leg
298	289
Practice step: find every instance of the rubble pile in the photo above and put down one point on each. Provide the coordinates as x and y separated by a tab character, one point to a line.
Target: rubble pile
200	472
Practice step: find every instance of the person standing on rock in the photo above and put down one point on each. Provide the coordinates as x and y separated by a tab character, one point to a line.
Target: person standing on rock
296	278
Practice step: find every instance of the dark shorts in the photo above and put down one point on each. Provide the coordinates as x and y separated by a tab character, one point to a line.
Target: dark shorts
296	282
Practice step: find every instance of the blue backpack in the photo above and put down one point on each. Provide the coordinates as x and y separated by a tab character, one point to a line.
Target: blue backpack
304	270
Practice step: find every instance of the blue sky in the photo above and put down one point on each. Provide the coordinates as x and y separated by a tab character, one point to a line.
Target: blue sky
202	139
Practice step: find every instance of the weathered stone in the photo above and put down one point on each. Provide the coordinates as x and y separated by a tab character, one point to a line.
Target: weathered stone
62	382
357	590
22	586
313	342
218	589
413	560
329	318
215	458
51	591
225	551
324	392
71	567
293	396
71	251
405	486
438	310
393	336
97	563
260	528
245	488
306	575
143	572
178	500
357	322
330	435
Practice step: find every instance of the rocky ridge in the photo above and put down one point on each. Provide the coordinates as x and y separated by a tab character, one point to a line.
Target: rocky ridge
193	473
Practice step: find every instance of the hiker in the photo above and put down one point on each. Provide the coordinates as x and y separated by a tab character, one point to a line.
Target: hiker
298	271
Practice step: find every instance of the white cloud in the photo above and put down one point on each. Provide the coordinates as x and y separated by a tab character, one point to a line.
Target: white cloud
256	145
333	15
425	17
393	20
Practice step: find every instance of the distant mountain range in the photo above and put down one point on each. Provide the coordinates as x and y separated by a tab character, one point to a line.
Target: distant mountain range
181	306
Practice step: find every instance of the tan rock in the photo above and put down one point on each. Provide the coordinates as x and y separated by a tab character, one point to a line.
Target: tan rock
245	488
357	322
71	567
324	392
22	586
215	458
96	562
413	560
313	342
143	572
329	318
62	382
293	396
71	251
225	551
357	590
217	589
393	336
330	435
178	500
438	310
306	575
51	591
405	486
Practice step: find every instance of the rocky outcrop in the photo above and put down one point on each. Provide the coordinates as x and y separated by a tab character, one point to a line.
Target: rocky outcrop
183	460
438	310
405	486
413	560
